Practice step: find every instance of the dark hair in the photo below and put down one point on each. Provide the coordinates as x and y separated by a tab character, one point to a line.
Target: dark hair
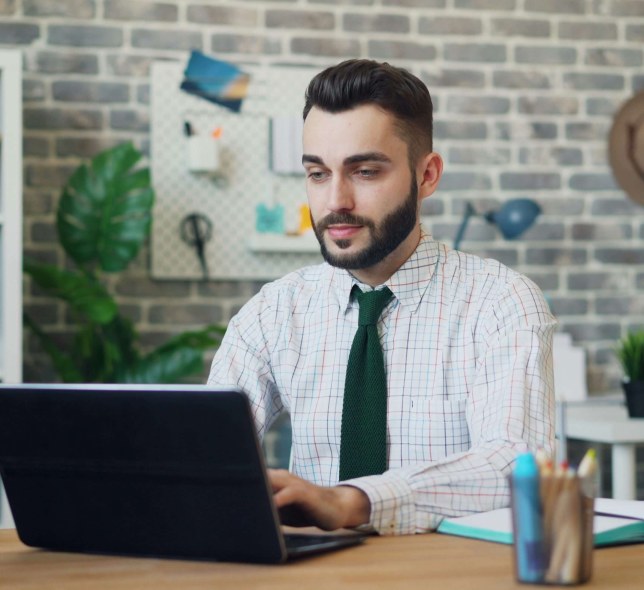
357	82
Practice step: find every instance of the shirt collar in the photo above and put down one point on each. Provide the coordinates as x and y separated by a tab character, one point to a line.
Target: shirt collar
408	284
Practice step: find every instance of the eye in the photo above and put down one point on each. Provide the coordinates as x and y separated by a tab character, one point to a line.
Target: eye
315	174
367	172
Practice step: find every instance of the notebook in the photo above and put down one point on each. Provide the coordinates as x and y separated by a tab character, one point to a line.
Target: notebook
616	522
165	471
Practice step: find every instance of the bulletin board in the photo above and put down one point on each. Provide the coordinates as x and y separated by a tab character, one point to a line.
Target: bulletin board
229	199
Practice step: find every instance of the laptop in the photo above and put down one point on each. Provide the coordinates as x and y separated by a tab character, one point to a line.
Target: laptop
163	471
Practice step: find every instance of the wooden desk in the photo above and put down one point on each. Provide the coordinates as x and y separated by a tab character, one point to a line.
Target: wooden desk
410	562
605	422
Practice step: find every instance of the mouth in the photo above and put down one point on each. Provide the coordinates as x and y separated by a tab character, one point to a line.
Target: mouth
343	231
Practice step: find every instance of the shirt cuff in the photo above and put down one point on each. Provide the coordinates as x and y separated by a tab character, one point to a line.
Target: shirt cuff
393	511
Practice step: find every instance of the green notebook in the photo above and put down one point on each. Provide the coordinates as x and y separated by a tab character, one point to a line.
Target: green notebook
616	522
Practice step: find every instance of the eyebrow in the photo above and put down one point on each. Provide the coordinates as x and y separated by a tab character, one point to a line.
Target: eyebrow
349	160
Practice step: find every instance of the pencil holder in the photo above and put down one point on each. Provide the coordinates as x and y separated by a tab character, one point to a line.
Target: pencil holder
552	523
203	154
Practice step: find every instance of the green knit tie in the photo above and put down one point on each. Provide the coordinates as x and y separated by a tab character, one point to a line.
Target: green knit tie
363	446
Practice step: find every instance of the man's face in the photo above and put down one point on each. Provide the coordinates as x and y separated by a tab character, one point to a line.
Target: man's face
362	195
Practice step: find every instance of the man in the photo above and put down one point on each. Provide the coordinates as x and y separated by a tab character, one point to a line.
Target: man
466	342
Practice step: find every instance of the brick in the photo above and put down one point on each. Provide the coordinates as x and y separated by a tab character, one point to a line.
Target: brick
66	8
143	93
250	44
329	47
624	8
38	118
142	287
432	206
401	50
130	120
602	106
225	289
47	175
521	79
545	281
561	306
35	147
635	33
44	314
548	105
638	83
589	181
618	206
612	57
521	130
43	233
603	231
84	36
587	331
223	15
590	131
545	231
454	78
550	156
561	256
131	66
7	7
585	81
507	256
623	255
530	181
15	33
598	281
459	130
513	27
83	147
563	205
140	10
640	281
465	181
37	203
186	315
163	39
444	26
299	19
491	156
592	31
33	90
478	105
622	306
475	52
372	23
556	6
486	4
409	3
102	92
545	55
66	63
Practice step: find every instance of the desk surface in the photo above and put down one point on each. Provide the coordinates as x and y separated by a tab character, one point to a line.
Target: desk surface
409	562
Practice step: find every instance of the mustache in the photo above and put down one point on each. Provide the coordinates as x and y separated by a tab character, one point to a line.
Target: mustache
341	219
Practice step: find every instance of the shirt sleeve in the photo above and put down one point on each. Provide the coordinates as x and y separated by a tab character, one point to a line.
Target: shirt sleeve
243	361
509	409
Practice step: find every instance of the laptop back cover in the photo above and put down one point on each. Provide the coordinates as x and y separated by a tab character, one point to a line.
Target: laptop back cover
137	471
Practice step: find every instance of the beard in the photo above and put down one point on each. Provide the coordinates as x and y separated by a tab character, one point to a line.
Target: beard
385	237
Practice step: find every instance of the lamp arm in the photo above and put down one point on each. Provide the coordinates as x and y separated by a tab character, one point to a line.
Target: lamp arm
469	211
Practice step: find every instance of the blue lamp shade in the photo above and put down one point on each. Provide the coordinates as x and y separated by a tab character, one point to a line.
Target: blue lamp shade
514	217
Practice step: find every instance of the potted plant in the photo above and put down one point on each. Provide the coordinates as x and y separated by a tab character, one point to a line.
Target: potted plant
104	216
630	353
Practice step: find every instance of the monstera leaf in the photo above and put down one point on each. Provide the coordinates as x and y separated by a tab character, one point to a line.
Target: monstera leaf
104	214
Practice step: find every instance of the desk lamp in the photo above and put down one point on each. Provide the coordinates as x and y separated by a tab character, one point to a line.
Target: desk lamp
512	219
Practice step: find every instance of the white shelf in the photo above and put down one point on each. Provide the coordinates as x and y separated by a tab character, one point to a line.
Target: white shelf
306	243
10	229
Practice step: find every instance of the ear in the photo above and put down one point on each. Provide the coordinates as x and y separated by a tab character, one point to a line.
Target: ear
430	169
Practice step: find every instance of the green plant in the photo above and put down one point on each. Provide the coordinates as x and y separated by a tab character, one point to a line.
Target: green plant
104	216
630	353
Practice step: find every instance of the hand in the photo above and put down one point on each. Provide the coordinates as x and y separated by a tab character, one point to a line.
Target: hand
302	503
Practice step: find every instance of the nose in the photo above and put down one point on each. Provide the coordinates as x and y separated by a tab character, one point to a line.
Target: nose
340	197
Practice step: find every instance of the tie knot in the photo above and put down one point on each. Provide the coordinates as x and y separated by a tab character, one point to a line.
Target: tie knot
371	305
